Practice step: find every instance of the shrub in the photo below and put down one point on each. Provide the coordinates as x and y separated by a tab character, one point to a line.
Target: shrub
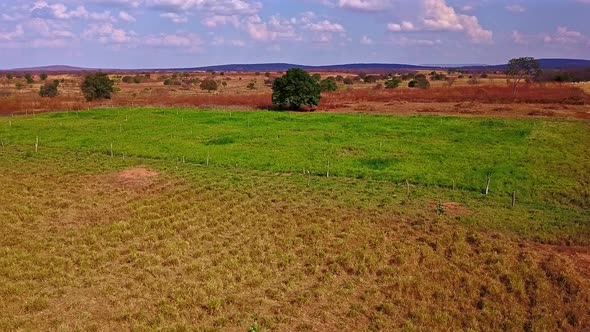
172	81
9	76
97	86
419	81
251	86
49	89
296	88
328	85
267	74
348	80
208	84
392	83
317	77
43	76
127	79
29	78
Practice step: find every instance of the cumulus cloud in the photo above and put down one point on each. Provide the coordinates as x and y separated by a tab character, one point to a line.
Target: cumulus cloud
325	26
565	36
364	5
125	16
273	30
438	16
217	7
174	17
173	40
404	26
107	33
217	20
11	35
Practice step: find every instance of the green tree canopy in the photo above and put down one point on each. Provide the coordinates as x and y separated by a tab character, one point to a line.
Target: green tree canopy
97	86
522	68
296	88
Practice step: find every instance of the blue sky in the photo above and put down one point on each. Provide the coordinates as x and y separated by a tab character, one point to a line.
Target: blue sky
176	33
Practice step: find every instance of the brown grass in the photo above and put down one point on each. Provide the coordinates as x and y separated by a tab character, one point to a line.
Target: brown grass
198	249
482	94
360	98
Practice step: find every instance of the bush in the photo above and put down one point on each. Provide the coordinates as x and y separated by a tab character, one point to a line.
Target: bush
392	83
419	81
328	85
29	78
172	81
49	89
97	86
9	76
127	79
43	76
348	80
251	86
317	77
208	84
296	88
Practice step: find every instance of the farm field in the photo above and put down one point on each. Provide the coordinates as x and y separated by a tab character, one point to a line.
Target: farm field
170	218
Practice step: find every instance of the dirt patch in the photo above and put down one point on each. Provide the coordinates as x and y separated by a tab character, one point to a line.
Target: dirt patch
453	209
139	176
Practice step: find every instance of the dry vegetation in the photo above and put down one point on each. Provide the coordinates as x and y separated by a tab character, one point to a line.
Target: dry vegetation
175	248
234	93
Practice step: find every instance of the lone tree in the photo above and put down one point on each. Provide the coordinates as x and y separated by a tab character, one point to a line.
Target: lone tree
97	86
296	88
49	89
526	68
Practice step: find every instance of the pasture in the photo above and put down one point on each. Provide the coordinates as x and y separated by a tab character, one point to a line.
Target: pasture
159	218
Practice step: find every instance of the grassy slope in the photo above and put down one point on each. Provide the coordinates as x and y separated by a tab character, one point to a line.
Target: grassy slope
545	162
222	247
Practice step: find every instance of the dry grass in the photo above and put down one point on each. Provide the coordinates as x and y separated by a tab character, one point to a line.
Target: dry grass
483	94
219	249
235	94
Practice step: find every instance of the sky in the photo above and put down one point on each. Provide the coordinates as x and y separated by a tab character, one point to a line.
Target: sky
176	33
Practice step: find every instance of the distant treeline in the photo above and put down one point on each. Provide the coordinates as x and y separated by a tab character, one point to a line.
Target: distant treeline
565	75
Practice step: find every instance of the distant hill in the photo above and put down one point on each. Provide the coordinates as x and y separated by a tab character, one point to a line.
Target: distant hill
53	69
353	67
543	63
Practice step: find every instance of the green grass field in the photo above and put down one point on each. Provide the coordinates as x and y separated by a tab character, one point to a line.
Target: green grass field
242	226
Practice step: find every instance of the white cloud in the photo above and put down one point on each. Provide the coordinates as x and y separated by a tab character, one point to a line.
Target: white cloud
515	8
325	26
438	16
18	32
174	17
519	38
405	26
125	16
173	40
59	11
107	33
366	41
217	20
565	36
364	5
273	30
217	7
